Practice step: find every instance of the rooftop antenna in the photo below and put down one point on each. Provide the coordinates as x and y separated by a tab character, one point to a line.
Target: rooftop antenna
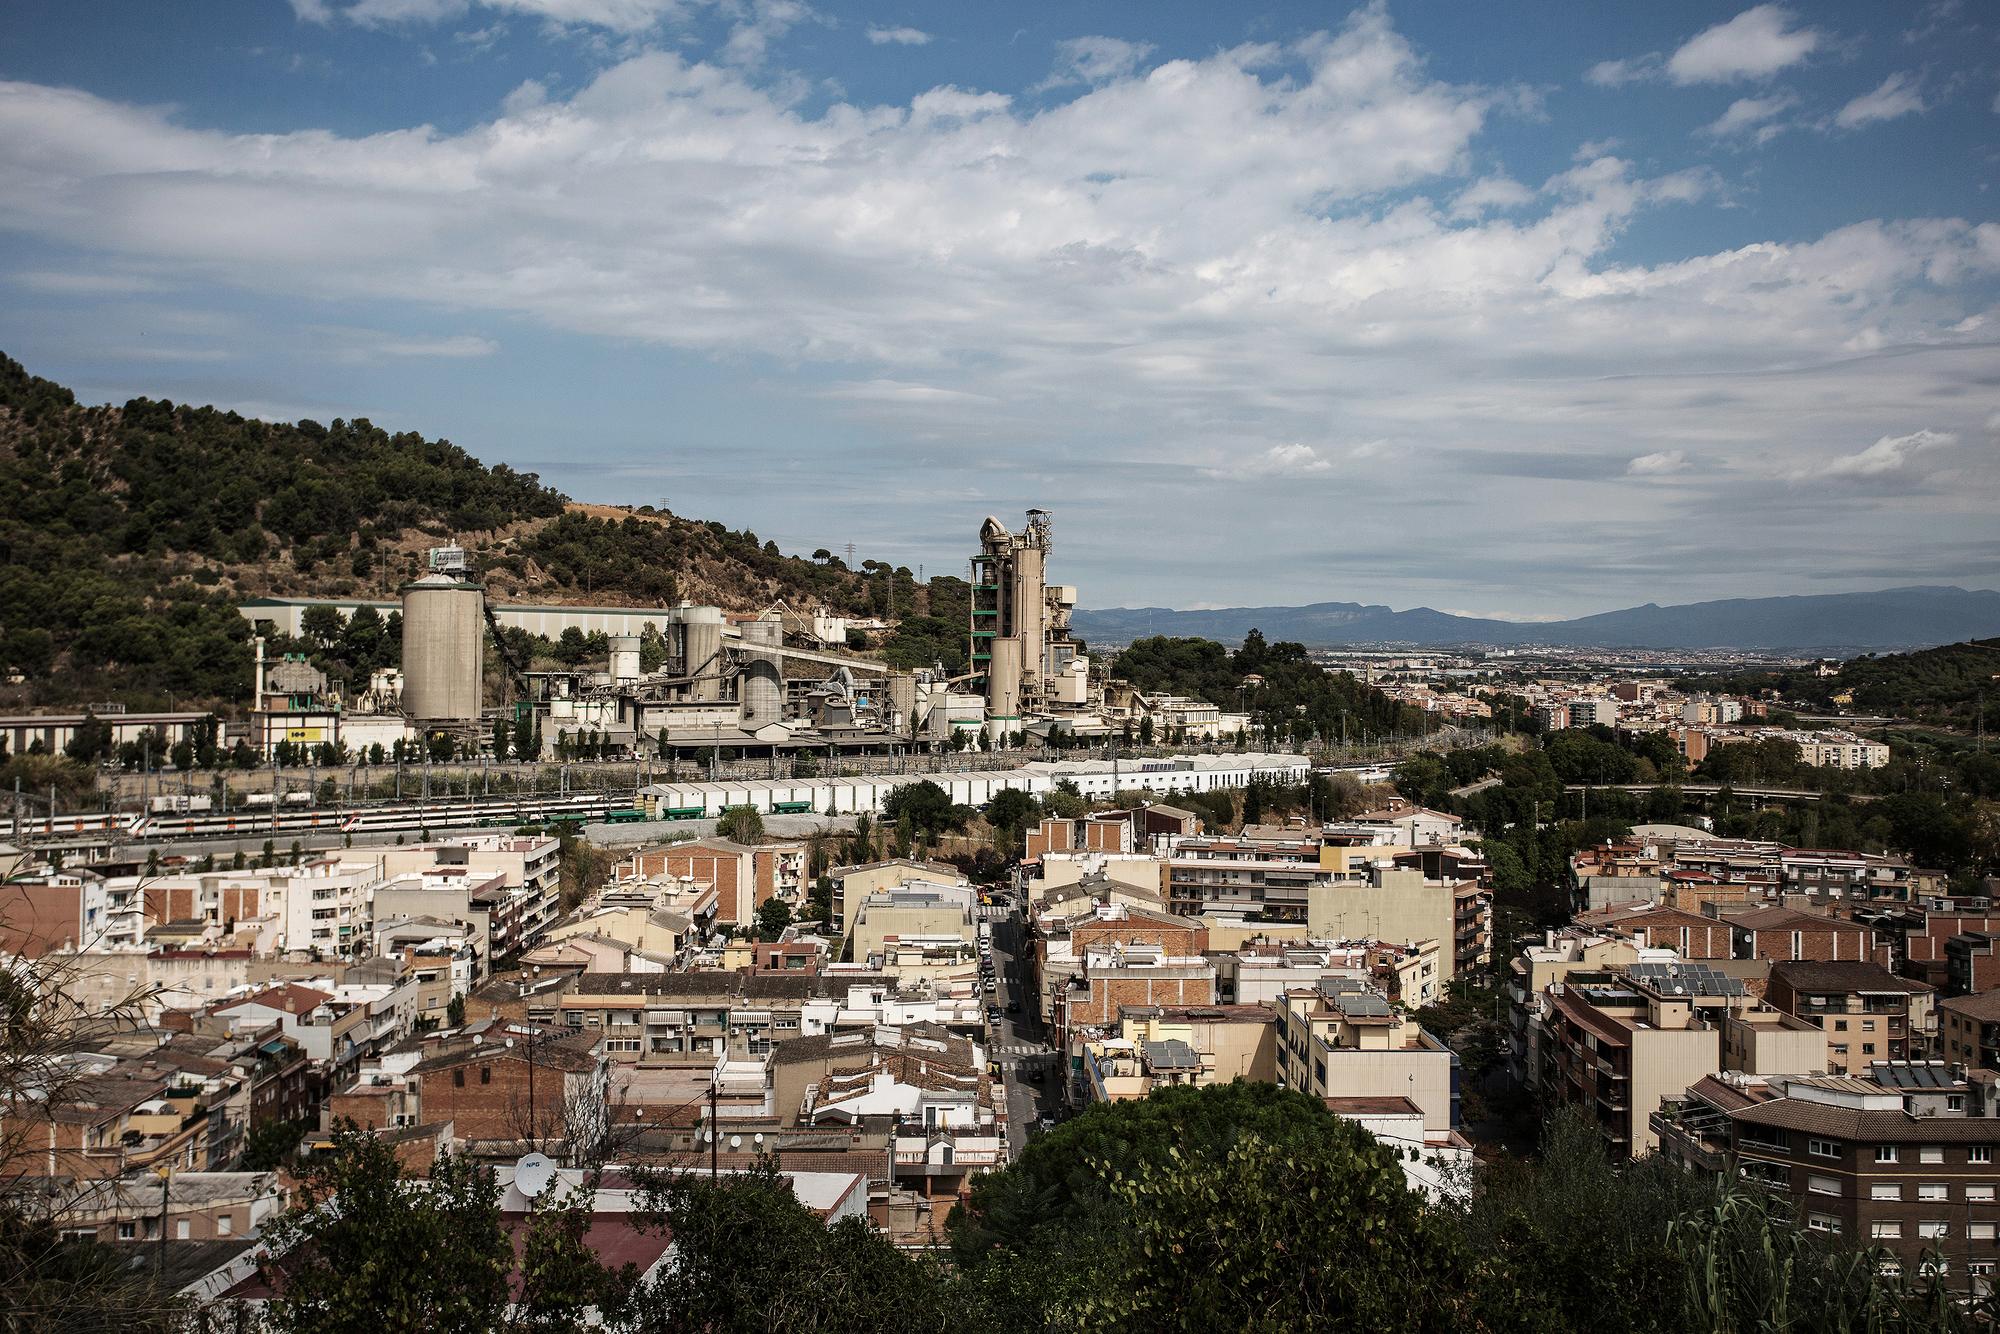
534	1174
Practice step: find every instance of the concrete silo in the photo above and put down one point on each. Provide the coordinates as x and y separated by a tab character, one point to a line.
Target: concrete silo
1003	693
903	703
444	644
701	650
624	658
761	687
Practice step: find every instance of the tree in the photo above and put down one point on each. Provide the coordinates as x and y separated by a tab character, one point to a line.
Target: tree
740	823
270	1144
454	1010
321	625
365	1250
924	808
1009	813
806	1275
90	741
182	755
503	736
773	917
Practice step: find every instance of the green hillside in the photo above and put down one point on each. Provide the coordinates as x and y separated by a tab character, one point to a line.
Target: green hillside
129	535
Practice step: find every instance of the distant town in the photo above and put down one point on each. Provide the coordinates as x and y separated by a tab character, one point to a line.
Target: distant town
728	888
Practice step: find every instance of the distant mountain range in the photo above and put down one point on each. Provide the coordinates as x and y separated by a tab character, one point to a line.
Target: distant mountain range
1894	618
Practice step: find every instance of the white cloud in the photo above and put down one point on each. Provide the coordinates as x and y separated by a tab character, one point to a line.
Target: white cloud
1199	262
1662	463
1618	73
898	36
1752	117
1490	193
629	16
1755	44
1093	60
1293	460
1898	95
1889	456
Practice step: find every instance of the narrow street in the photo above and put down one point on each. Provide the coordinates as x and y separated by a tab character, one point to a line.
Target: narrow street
1014	1040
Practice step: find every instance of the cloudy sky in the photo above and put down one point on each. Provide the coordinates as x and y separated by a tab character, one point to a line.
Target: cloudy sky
1516	309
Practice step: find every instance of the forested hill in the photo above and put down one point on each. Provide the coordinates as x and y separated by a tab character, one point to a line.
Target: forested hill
129	534
1944	685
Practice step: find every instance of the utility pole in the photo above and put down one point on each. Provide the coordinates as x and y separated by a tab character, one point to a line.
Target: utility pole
714	1143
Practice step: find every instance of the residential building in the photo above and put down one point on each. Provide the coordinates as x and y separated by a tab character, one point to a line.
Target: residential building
1902	1160
545	1092
1156	1046
1969	1030
1868	1013
1343	1039
1616	1049
745	876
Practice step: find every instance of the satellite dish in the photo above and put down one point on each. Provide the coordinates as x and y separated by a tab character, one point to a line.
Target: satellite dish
534	1174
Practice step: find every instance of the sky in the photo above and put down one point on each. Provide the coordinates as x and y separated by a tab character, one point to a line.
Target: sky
1511	309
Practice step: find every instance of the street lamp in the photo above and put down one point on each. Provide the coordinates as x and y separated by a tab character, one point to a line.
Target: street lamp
165	1172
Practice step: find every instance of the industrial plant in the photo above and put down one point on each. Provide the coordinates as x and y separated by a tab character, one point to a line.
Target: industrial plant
688	680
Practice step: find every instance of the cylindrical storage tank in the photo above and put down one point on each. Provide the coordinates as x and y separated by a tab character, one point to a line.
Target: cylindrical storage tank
1003	693
701	636
764	630
624	658
444	644
1028	609
903	702
761	689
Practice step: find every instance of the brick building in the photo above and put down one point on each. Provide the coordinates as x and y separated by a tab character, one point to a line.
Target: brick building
1969	1030
1693	936
745	876
1786	933
1868	1013
1972	962
507	1096
1903	1160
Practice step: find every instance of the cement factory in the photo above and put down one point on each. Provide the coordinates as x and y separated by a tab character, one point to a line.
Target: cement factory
761	684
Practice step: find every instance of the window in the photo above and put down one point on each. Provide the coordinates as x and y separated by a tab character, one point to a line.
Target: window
458	1077
1884	1190
1840	1025
1823	1223
1933	1191
1886	1153
1980	1231
1822	1148
1885	1231
1954	1102
1931	1153
1979	1193
127	1231
1979	1153
1867	1049
181	1230
1868	1025
1933	1230
1983	1268
224	1225
1819	1185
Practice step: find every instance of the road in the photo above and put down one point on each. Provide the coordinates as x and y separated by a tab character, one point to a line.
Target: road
1015	1042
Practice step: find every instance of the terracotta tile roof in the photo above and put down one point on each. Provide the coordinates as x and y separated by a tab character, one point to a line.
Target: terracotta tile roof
1985	1007
1866	1127
288	997
1846	975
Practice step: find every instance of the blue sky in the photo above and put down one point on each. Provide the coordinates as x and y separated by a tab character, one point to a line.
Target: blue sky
1513	309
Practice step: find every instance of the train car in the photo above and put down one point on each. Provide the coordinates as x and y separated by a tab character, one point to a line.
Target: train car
791	808
626	816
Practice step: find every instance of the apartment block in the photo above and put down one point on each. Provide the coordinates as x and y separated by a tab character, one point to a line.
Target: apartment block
1969	1030
1342	1039
1868	1013
1616	1049
1902	1160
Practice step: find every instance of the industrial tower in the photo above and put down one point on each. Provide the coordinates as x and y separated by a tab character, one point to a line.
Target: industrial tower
1020	642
